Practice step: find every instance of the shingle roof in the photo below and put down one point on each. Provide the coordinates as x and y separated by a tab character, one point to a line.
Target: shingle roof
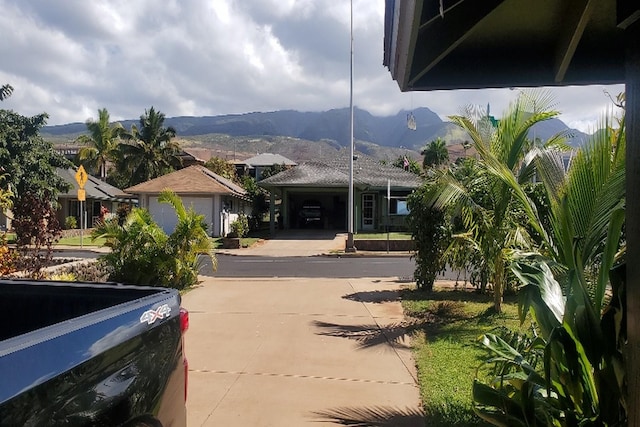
308	174
367	173
94	188
268	159
191	180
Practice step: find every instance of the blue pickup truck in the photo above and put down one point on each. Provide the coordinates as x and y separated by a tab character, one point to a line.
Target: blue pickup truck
91	354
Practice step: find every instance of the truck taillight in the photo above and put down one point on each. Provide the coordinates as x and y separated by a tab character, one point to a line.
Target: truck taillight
184	320
184	325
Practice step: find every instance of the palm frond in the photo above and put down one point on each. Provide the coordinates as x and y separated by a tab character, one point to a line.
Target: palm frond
168	196
587	218
550	169
537	99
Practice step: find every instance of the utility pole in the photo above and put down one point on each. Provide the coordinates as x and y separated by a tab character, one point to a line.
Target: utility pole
350	246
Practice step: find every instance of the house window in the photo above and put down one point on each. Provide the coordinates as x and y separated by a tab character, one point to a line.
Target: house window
398	207
74	209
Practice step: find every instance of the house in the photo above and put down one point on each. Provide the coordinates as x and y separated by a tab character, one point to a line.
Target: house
324	186
98	196
218	199
255	165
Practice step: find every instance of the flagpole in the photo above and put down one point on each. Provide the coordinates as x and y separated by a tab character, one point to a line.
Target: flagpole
350	246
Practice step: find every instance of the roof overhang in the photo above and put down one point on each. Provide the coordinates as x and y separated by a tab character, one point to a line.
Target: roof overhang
470	44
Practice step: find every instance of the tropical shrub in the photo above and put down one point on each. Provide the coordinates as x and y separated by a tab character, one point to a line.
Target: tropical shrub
239	227
142	253
259	204
430	234
582	326
70	223
580	381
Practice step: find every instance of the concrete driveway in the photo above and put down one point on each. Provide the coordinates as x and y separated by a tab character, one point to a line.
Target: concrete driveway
293	352
295	243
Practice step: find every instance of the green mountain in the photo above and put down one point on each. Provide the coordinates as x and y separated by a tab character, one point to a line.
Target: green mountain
306	134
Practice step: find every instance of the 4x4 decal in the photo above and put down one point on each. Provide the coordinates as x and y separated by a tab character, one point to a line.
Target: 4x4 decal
150	316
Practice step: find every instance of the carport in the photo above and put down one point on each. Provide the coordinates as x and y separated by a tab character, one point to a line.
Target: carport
327	183
309	183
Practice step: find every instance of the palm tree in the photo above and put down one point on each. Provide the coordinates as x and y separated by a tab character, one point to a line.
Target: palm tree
435	154
101	144
5	92
496	212
150	151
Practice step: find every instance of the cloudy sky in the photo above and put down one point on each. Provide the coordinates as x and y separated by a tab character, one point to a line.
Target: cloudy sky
209	57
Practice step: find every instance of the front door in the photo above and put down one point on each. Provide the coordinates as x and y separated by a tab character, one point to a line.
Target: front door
368	211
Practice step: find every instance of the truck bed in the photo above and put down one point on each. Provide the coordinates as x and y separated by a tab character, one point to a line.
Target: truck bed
27	305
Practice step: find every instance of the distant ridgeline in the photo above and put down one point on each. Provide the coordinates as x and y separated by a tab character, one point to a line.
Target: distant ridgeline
331	126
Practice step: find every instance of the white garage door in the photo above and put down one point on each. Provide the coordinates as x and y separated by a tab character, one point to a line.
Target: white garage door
165	215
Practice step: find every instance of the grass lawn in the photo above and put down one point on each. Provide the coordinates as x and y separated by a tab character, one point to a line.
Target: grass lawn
245	242
445	350
75	241
383	236
69	241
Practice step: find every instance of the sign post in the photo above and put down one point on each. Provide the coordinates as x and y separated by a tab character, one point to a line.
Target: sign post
81	179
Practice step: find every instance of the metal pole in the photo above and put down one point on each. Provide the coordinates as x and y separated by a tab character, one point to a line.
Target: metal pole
350	247
82	224
388	210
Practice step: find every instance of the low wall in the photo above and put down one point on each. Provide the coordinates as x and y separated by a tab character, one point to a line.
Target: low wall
381	245
76	232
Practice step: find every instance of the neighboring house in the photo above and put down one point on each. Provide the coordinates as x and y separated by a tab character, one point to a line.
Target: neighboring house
98	195
70	152
254	166
326	185
218	199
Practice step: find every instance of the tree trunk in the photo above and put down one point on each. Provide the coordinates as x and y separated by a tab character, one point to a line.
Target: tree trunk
498	283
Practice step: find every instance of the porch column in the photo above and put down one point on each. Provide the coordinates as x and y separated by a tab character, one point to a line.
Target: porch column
632	123
272	213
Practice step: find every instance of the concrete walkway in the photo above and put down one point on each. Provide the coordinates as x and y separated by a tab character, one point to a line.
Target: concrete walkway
294	352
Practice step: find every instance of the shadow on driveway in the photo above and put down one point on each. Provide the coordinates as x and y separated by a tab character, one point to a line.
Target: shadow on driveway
376	416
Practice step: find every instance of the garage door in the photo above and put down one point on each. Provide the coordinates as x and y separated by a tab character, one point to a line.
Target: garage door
165	215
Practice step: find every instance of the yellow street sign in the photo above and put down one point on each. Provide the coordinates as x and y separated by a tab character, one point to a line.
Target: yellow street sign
82	195
81	177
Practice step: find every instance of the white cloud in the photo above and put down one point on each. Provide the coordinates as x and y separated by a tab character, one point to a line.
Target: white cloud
202	57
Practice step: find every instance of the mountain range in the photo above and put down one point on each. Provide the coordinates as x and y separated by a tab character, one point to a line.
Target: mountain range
303	134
